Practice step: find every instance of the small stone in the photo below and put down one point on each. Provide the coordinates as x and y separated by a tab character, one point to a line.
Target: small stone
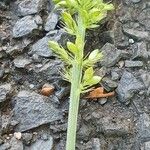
42	145
29	7
16	144
1	73
132	64
121	64
131	41
102	101
143	126
41	47
108	84
147	145
44	137
5	90
25	26
135	34
31	86
32	110
128	87
5	146
18	135
114	75
51	22
140	51
120	40
136	1
21	62
27	138
111	55
47	90
96	145
145	76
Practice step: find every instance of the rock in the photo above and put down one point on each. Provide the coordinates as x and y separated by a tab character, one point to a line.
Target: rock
16	144
96	145
133	64
120	40
29	7
27	138
146	145
115	75
140	51
5	146
128	87
7	124
145	76
1	73
135	34
47	90
60	145
131	41
144	18
111	55
21	62
42	145
93	144
5	90
102	101
32	110
18	135
41	47
143	126
58	128
51	22
108	84
25	26
135	1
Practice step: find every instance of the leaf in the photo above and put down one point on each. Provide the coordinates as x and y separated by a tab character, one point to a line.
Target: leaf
108	7
54	45
94	80
69	21
88	74
93	54
72	48
60	51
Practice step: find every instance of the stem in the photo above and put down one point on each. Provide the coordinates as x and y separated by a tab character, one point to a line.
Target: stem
73	108
76	78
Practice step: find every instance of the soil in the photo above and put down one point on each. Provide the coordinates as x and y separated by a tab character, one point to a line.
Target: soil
32	121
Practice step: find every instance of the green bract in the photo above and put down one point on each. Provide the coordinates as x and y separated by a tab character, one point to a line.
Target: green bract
77	16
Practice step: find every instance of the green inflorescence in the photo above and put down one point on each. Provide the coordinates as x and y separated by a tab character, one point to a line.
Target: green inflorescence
77	16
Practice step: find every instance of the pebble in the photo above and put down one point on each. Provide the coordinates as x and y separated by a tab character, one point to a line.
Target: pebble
102	101
131	41
136	34
136	1
47	90
21	62
18	135
51	22
132	64
1	73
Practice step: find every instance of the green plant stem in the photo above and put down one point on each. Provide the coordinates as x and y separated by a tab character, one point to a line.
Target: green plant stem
74	105
76	78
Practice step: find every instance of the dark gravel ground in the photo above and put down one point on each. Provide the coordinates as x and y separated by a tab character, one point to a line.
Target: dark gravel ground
31	121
